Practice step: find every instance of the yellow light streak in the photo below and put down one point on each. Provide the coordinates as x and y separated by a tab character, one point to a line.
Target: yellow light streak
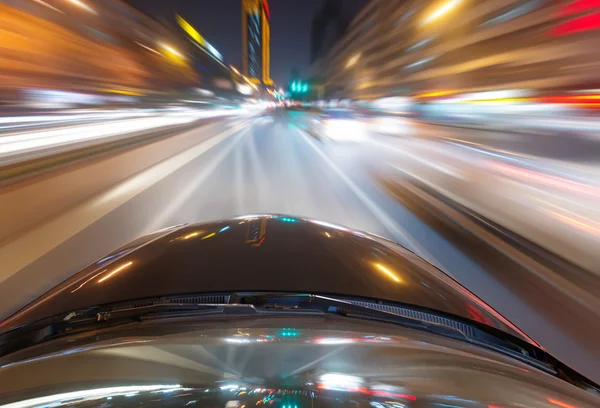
388	272
119	269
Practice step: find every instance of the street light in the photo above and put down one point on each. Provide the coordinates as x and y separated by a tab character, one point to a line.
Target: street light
444	9
353	60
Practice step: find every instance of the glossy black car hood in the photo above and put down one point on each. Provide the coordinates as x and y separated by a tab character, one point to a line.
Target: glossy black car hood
263	253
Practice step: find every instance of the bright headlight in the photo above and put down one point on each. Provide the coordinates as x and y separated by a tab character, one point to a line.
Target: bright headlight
344	129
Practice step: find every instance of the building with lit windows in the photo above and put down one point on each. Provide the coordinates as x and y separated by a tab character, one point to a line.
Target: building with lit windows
256	39
105	48
412	47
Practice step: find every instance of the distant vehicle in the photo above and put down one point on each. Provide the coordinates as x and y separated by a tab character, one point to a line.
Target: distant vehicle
338	125
272	311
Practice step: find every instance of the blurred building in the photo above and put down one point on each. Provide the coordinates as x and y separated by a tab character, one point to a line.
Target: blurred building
88	46
411	47
256	40
327	27
214	76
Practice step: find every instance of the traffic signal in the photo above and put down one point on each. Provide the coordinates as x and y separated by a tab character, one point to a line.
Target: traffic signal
289	332
299	87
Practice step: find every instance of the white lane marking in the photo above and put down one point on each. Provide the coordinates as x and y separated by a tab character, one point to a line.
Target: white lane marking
400	234
30	246
178	202
262	180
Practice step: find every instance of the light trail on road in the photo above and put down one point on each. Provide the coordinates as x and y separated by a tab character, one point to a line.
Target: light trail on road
16	143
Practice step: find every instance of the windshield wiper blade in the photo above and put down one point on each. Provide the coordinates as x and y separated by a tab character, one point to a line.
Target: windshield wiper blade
251	304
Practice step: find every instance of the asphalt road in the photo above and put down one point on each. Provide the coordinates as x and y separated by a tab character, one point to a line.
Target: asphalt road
272	165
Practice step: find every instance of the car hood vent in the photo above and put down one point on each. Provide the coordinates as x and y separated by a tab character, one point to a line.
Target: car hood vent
422	316
188	300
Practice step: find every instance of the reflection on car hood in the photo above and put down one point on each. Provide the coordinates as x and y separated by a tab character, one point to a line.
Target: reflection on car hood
299	362
264	253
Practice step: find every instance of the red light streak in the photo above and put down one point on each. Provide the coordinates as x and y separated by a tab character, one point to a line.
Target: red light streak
578	6
391	394
578	25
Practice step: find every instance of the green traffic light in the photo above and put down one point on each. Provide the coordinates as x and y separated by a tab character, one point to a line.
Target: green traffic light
305	88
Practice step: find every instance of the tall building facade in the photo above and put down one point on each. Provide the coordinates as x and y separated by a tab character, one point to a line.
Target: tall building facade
256	40
408	47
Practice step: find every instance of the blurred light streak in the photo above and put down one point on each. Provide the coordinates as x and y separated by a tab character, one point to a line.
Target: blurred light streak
581	24
119	269
170	50
388	272
353	60
70	117
234	69
436	94
420	44
190	30
514	13
11	144
212	234
444	9
49	400
578	6
80	286
547	180
575	223
84	6
43	3
147	48
334	340
560	403
123	92
192	235
420	62
379	393
329	225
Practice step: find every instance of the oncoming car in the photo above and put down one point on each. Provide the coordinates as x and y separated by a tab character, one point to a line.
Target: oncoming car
276	311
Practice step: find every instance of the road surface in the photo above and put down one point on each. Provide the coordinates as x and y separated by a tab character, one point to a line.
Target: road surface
271	164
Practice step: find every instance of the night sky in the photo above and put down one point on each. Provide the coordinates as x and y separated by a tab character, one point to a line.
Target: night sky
219	21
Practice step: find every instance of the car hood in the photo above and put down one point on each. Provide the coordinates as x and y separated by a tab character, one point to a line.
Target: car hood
264	253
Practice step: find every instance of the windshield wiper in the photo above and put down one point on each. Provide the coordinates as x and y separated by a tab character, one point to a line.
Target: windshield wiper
249	304
258	304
